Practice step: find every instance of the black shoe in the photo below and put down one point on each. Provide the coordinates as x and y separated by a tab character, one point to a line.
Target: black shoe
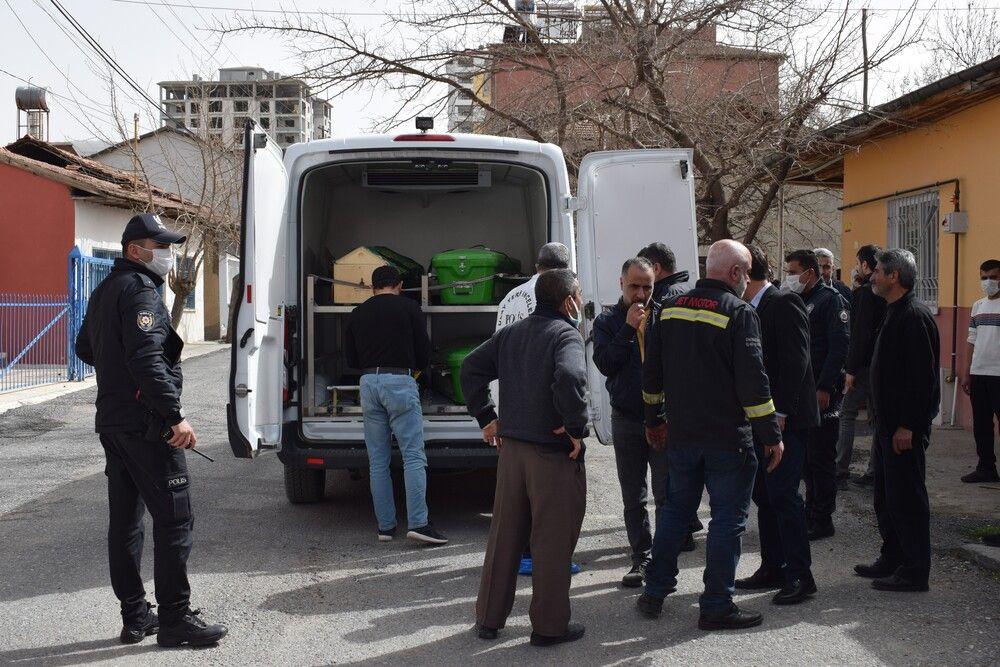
795	591
573	632
484	632
876	570
898	584
190	630
865	480
649	606
979	476
734	619
819	530
636	577
427	535
761	580
688	544
135	633
387	535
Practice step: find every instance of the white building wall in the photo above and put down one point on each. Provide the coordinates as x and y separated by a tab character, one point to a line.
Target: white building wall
99	226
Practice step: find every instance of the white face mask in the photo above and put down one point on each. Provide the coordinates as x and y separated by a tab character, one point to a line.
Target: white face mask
792	284
991	287
161	262
576	318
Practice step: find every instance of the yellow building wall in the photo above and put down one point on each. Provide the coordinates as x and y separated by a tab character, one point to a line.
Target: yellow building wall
966	146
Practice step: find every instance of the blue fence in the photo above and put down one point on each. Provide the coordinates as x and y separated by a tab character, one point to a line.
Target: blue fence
38	331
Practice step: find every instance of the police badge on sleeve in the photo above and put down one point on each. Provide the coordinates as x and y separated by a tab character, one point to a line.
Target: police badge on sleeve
145	320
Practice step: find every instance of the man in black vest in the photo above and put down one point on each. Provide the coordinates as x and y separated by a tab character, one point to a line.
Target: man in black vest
905	394
784	545
127	337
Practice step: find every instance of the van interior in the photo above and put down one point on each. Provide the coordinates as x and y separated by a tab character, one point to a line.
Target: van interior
417	208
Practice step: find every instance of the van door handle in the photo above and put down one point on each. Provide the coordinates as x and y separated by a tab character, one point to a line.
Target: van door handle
246	337
242	390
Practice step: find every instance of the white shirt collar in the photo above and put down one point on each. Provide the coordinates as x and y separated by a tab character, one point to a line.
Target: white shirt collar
755	302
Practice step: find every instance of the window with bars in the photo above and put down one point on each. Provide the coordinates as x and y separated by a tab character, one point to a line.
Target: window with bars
184	266
913	226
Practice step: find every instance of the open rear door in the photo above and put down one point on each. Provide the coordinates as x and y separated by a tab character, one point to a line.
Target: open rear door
625	201
256	375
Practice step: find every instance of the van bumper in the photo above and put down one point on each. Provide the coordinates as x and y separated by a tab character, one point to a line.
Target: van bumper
353	455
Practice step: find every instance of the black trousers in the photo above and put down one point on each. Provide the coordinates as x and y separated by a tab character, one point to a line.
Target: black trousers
635	459
985	393
820	471
143	474
781	516
901	505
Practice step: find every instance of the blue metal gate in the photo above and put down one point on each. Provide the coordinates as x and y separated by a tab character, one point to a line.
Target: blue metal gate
32	340
85	273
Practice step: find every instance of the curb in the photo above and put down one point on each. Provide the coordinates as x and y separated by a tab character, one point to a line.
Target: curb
984	556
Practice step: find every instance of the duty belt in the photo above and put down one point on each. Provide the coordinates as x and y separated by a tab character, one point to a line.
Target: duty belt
385	370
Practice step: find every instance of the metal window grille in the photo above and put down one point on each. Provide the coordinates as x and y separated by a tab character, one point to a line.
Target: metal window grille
913	226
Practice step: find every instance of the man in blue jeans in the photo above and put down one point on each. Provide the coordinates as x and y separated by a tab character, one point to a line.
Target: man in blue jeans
387	340
707	410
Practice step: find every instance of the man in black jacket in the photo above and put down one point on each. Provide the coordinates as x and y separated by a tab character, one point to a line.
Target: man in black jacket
829	334
867	311
905	393
127	337
386	339
827	268
668	281
541	482
616	355
785	557
706	396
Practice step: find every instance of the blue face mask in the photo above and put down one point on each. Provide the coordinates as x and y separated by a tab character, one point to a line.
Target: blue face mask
577	317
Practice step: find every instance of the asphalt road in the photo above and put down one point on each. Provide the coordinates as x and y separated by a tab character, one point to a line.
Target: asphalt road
310	585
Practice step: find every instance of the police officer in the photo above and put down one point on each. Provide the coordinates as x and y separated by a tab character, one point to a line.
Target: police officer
706	395
127	337
829	328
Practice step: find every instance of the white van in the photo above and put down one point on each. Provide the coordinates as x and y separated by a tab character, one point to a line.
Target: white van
420	194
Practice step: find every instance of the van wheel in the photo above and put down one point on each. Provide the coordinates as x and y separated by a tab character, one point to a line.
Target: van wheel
304	485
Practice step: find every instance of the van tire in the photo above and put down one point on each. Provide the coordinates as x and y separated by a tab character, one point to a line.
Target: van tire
304	485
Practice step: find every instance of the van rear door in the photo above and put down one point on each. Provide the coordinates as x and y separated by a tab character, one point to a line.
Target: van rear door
256	376
625	201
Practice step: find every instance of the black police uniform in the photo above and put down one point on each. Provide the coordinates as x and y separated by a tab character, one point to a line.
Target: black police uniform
127	337
829	327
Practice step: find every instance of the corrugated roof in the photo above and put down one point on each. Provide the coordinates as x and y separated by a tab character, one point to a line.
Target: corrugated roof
101	183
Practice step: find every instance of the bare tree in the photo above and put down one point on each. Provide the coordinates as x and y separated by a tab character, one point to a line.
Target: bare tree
633	75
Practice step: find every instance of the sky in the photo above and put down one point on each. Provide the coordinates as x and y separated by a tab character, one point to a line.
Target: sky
154	42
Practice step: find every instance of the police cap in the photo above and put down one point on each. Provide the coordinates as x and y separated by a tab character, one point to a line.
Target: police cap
149	226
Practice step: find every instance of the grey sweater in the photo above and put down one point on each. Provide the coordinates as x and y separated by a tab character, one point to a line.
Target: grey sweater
542	370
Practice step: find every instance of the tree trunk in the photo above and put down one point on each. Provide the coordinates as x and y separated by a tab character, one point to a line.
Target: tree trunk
177	308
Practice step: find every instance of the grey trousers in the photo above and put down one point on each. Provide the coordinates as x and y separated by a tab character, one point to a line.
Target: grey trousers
853	401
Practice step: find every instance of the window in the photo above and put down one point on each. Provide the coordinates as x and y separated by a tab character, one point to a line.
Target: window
288	122
215	123
286	107
241	90
194	122
218	91
265	123
215	106
913	226
239	123
195	107
184	266
265	107
105	253
241	106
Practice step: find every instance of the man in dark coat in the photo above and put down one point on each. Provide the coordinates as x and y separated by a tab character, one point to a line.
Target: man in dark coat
905	394
786	561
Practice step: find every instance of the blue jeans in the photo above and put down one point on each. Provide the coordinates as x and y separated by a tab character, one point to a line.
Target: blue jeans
729	476
781	515
391	406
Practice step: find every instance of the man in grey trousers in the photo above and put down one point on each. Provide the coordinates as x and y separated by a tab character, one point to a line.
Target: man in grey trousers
541	482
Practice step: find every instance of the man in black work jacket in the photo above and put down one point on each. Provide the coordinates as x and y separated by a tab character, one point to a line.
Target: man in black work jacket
786	561
386	339
127	337
541	481
829	330
668	281
706	397
905	394
867	311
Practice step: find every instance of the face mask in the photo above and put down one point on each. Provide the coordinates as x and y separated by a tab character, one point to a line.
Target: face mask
163	259
792	284
991	287
576	318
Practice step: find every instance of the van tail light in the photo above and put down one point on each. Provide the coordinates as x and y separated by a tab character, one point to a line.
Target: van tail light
424	137
315	461
285	393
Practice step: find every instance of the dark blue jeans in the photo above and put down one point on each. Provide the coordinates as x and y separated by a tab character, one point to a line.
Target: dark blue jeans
781	514
728	476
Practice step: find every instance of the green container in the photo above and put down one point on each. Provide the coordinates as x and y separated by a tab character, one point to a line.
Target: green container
446	366
456	266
